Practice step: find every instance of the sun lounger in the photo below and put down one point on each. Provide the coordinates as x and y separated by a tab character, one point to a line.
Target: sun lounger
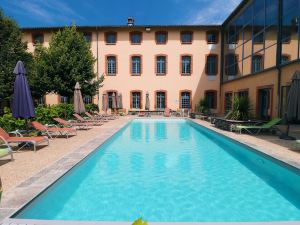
82	120
109	117
5	149
102	119
20	139
258	128
54	131
80	126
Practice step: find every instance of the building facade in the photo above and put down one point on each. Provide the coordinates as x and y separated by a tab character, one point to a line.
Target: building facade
254	52
175	65
260	53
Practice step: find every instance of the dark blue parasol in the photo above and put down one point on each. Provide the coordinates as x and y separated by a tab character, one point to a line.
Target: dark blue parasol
22	101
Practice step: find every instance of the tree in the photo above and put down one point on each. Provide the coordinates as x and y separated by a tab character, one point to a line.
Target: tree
12	49
67	60
39	81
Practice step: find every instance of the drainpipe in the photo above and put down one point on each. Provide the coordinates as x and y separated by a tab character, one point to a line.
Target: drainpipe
221	66
97	67
279	55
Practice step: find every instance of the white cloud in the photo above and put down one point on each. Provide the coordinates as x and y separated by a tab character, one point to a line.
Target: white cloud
212	12
49	11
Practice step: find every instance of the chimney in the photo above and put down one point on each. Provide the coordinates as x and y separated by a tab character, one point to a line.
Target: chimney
130	21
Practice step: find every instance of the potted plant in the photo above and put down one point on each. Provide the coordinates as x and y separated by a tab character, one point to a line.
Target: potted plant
241	109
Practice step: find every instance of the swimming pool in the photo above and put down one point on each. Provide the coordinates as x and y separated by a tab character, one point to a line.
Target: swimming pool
175	171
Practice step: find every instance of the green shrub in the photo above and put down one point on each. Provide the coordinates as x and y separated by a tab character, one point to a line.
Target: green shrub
65	111
8	123
91	108
203	106
45	114
241	109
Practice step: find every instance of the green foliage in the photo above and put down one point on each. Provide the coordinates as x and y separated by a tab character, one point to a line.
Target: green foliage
39	81
203	106
91	107
140	222
67	60
45	114
11	50
8	123
241	109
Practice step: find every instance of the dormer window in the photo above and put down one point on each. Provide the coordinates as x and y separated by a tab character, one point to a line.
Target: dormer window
186	37
135	38
212	37
111	38
38	38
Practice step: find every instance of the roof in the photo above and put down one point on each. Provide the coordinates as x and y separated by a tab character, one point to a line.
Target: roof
128	27
236	11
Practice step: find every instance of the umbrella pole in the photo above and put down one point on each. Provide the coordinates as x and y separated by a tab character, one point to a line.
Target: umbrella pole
285	135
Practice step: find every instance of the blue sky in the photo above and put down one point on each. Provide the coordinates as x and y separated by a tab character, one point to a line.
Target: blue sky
30	13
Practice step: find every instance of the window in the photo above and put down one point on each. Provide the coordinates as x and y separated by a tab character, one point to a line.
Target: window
186	37
161	37
257	63
212	37
111	65
38	39
135	38
161	65
160	100
41	101
228	102
259	38
185	100
286	35
63	99
87	99
186	65
111	38
212	65
232	36
243	93
211	97
87	37
111	99
285	59
231	65
136	65
136	100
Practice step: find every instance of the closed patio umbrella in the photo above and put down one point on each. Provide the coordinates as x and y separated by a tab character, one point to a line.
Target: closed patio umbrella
293	104
114	103
120	103
22	106
104	102
78	102
147	105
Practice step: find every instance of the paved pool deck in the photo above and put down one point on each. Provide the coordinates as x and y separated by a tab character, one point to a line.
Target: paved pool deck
68	152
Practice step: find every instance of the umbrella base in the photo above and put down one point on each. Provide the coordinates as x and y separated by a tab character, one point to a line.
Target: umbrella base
285	136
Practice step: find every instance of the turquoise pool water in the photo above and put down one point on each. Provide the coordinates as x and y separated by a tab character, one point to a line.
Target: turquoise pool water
171	170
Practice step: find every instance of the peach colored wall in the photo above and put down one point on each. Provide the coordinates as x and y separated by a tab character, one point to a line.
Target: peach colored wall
252	84
173	82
